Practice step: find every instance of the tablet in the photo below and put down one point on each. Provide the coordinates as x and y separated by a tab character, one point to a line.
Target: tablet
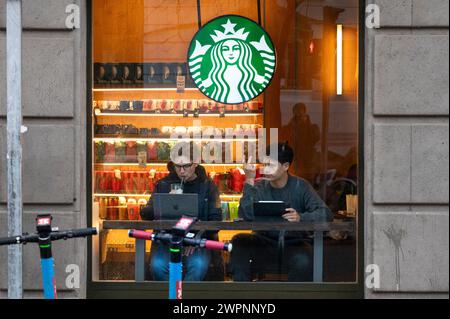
269	210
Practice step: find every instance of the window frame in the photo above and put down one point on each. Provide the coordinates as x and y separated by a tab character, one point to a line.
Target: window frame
230	290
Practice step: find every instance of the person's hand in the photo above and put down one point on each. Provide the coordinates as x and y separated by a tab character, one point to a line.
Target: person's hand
187	251
250	171
291	215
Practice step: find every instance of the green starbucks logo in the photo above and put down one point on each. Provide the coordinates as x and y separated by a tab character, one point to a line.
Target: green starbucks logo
232	59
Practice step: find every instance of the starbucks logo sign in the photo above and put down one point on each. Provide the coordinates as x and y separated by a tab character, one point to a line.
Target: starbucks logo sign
232	59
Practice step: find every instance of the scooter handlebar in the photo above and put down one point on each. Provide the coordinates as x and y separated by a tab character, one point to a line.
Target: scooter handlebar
140	234
57	235
10	240
73	233
217	245
202	243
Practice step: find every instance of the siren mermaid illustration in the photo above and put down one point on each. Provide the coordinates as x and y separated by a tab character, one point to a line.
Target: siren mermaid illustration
232	77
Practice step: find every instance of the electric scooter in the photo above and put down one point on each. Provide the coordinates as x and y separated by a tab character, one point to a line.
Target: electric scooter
44	237
179	237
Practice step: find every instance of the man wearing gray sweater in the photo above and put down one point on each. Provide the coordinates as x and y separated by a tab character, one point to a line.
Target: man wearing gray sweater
254	253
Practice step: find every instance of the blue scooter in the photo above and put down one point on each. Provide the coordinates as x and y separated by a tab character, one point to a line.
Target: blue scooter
44	237
177	239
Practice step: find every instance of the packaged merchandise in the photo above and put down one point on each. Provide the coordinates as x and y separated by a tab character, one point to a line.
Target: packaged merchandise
139	73
168	74
123	209
110	152
142	184
112	74
120	152
132	209
98	182
100	74
112	210
134	182
141	146
148	105
225	211
152	151
138	106
233	209
127	182
116	181
124	106
131	151
103	203
127	73
152	74
100	152
237	180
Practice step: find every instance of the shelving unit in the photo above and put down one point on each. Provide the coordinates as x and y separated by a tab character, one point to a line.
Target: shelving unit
243	119
168	139
223	196
190	114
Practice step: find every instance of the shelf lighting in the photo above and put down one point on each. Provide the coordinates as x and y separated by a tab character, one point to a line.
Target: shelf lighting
339	61
149	195
178	115
165	164
119	139
140	89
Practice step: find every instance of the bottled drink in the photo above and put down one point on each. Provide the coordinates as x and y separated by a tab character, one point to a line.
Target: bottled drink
112	211
103	203
123	213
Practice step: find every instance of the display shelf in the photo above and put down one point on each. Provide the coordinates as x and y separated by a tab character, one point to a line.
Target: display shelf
122	89
165	164
223	196
177	114
168	139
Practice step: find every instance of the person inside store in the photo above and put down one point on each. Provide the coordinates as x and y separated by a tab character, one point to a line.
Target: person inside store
271	251
303	135
185	170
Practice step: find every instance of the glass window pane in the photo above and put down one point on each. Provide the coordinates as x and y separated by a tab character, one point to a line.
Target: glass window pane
143	94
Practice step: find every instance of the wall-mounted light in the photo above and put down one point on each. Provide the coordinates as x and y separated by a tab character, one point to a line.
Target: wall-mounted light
339	59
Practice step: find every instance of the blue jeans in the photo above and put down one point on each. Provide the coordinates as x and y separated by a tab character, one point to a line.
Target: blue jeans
196	265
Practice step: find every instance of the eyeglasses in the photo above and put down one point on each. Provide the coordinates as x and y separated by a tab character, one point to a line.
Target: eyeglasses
185	166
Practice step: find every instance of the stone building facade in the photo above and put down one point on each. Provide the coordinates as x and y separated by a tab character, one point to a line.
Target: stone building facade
406	143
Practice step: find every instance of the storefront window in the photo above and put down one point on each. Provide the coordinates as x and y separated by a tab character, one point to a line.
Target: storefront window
144	93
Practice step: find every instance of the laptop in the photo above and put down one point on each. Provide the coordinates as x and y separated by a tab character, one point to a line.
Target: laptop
174	206
269	210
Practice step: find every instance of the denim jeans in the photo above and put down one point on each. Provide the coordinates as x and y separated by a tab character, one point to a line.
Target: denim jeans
195	266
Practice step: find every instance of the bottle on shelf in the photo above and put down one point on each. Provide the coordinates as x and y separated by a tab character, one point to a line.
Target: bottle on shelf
123	209
112	210
103	204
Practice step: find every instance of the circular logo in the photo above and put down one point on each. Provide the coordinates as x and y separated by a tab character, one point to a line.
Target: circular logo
232	59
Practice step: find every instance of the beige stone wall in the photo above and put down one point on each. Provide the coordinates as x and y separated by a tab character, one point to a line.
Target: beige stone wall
407	149
54	148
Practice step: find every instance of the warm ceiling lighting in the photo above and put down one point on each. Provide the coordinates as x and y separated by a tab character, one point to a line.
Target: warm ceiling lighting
339	60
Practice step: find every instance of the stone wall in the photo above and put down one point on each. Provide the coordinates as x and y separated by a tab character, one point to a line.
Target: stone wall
407	149
54	148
